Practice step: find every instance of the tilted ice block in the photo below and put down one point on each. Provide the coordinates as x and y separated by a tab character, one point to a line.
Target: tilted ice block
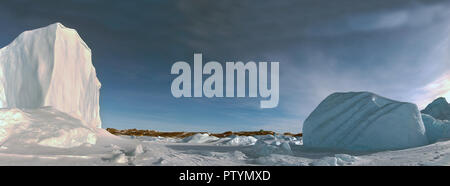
50	66
363	121
439	109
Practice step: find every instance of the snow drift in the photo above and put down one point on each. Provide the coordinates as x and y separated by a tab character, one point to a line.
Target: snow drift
45	127
363	121
50	66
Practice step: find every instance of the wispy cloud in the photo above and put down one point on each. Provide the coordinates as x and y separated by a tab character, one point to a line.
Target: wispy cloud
437	88
408	17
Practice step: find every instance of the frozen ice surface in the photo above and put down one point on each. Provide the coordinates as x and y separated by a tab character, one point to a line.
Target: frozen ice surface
262	148
44	127
336	160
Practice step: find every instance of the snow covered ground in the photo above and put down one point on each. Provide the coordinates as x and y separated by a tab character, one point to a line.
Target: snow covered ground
267	150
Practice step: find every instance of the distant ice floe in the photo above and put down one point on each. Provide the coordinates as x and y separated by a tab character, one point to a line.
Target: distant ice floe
153	139
44	127
235	140
200	138
239	140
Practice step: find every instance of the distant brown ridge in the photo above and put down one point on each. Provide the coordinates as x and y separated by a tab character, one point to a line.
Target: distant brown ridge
136	132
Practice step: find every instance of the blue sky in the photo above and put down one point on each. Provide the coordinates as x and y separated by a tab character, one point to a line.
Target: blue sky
398	49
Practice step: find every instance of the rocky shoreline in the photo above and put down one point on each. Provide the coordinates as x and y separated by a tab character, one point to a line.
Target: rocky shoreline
153	133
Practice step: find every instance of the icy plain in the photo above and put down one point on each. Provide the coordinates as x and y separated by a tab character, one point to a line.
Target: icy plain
270	150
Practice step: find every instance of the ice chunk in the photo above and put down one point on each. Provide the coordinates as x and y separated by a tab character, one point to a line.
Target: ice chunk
436	129
439	109
240	141
200	138
363	121
266	148
50	66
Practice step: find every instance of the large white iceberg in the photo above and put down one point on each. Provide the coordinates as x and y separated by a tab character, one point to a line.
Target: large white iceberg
363	121
50	66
